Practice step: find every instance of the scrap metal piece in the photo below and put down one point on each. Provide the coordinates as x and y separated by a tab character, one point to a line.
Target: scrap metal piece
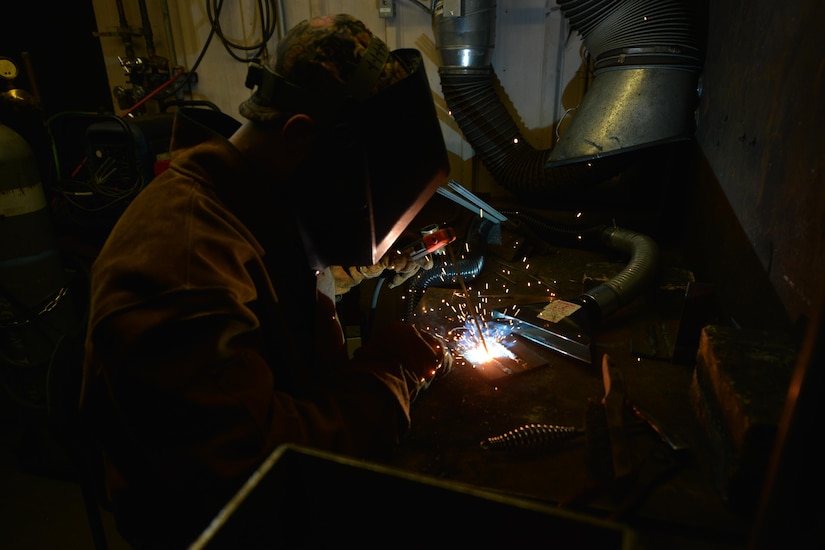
566	336
530	436
614	405
670	437
523	360
597	443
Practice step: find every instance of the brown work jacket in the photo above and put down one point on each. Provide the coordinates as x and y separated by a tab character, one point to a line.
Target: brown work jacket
209	345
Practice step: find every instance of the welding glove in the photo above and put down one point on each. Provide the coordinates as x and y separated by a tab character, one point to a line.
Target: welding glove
403	266
422	356
444	365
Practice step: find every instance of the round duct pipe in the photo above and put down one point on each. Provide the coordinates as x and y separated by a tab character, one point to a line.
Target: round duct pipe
643	94
647	65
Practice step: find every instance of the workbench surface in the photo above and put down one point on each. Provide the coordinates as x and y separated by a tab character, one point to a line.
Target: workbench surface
670	498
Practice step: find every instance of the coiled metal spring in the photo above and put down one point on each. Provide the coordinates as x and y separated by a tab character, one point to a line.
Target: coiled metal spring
530	436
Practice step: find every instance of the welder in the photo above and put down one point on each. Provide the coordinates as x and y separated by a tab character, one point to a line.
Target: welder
212	335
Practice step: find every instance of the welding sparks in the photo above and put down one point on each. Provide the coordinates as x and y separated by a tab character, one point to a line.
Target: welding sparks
488	346
478	341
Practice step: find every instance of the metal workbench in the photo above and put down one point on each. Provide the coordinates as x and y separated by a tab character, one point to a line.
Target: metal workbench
671	498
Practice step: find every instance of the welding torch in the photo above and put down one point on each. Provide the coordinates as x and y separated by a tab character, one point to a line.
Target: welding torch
430	242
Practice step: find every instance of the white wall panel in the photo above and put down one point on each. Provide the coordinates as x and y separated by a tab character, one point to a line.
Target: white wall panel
533	59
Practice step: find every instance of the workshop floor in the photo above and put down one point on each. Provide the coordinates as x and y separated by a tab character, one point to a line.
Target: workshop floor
40	506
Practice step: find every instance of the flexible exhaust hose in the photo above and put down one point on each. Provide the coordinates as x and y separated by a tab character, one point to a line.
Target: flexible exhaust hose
601	301
640	271
643	93
478	110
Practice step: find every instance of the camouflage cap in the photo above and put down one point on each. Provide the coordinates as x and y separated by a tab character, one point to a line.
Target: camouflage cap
329	56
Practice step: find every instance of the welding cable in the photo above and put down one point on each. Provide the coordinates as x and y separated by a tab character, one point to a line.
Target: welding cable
189	75
266	10
125	35
146	24
442	274
129	111
379	284
572	235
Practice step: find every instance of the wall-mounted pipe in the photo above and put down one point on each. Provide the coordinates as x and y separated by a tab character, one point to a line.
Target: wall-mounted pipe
647	60
170	36
146	25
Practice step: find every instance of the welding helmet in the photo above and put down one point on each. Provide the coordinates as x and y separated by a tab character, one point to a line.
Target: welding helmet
381	154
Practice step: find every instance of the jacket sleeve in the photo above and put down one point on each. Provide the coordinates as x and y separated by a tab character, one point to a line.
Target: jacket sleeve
185	373
196	396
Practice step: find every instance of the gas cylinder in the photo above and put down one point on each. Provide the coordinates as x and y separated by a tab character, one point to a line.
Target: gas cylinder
36	306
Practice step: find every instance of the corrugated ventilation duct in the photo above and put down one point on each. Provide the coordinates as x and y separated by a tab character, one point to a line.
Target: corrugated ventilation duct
644	91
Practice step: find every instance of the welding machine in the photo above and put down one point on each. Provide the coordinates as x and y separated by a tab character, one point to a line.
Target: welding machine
122	153
105	161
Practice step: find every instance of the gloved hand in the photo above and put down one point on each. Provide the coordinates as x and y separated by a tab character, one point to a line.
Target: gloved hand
444	366
422	356
404	267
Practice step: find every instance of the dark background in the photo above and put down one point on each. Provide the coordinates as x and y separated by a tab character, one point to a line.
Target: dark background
66	58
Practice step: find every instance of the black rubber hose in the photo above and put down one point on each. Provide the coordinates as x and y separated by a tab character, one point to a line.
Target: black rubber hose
444	274
639	273
570	235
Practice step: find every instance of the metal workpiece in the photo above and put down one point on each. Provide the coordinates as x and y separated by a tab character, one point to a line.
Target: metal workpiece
566	337
669	437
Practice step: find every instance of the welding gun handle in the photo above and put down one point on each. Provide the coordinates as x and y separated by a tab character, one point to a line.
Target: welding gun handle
430	243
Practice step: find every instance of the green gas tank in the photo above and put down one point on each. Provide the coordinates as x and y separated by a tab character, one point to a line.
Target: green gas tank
36	306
